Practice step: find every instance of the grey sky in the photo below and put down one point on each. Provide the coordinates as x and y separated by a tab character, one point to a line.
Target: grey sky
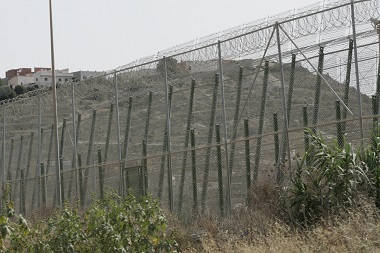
101	35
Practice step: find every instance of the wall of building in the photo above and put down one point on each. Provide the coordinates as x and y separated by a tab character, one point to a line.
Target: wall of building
44	78
17	72
20	80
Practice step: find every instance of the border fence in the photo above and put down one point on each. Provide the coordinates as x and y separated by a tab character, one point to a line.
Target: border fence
198	125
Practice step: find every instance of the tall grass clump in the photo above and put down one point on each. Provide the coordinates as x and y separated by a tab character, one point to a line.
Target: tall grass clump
326	181
370	158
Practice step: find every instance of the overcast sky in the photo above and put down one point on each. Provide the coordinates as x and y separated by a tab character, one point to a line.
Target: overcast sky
104	34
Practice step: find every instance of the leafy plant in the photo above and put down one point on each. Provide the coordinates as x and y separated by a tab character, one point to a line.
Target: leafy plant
328	183
371	161
6	92
19	89
109	225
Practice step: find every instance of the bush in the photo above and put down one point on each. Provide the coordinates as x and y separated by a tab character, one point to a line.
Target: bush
110	225
19	89
32	88
6	92
325	182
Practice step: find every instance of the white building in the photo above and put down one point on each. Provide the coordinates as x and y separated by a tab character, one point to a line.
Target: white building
43	78
21	80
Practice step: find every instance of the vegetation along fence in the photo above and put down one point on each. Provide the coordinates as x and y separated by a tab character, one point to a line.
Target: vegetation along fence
200	124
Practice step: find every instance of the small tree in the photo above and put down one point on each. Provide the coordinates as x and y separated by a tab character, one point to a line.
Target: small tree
19	89
171	65
6	92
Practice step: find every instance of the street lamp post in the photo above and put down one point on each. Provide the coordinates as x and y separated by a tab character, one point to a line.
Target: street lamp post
55	120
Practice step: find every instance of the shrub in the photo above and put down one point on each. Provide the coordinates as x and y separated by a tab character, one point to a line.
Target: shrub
327	184
110	225
19	89
32	88
6	92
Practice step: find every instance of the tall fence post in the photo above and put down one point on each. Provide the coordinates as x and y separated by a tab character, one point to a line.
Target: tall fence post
164	157
276	139
236	118
229	173
280	168
61	149
22	193
194	172
375	112
209	141
170	178
124	151
318	89
74	162
339	132
186	145
101	175
148	112
357	74
43	185
80	176
121	190
247	159
55	113
18	168
75	143
89	152
220	169
29	158
286	144
347	83
39	150
261	122
144	173
108	134
9	171
3	160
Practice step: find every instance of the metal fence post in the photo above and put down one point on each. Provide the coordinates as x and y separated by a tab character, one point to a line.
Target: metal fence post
285	129
75	156
357	74
121	190
186	145
209	142
55	112
170	181
3	160
39	150
229	174
347	83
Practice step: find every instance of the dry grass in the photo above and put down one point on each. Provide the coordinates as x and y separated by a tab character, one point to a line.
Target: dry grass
259	228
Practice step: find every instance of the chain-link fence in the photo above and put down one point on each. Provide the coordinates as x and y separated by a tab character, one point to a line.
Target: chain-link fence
200	124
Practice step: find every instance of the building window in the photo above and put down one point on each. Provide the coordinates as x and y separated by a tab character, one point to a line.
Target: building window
66	79
45	78
59	79
36	79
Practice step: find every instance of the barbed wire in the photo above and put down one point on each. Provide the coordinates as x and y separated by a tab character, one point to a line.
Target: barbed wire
243	41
